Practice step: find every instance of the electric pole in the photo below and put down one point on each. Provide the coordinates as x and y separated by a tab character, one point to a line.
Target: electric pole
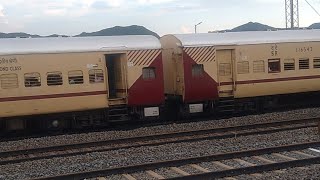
292	14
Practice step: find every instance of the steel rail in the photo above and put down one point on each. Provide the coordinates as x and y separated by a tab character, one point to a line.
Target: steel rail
252	169
216	157
8	157
141	144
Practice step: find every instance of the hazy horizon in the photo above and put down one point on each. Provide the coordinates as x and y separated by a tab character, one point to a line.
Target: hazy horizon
71	17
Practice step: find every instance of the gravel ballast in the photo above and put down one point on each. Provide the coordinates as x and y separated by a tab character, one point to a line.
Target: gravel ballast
144	131
124	157
151	154
309	172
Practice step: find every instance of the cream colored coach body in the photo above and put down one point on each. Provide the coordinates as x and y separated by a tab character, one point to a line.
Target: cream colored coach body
232	49
44	55
263	83
28	100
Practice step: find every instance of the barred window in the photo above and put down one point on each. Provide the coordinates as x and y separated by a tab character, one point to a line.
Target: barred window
96	76
258	66
303	63
197	70
54	79
225	69
289	64
149	73
75	77
9	81
274	66
316	63
243	67
32	79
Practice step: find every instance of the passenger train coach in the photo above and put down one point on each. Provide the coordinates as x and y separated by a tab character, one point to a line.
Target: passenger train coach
241	71
80	82
91	81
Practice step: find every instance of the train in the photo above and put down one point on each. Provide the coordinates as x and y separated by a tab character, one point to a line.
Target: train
79	82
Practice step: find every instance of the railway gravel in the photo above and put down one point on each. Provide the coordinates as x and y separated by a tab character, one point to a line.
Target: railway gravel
310	172
210	166
294	155
151	154
133	156
89	137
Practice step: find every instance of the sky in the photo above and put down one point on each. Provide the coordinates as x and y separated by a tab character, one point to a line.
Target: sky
71	17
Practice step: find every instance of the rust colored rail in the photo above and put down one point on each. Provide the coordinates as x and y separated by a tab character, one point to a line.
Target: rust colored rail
208	175
10	157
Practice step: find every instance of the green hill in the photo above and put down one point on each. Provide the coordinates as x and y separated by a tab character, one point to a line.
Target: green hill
114	31
314	26
15	35
119	30
252	26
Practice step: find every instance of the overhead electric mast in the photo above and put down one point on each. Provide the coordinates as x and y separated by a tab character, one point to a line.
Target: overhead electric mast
292	14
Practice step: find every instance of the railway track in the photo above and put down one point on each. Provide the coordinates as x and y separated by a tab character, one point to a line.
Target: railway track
23	155
285	158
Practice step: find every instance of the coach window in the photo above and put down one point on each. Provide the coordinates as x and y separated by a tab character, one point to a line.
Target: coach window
274	66
303	63
149	73
54	79
96	76
75	77
225	69
9	81
289	65
243	67
258	66
197	70
316	63
32	80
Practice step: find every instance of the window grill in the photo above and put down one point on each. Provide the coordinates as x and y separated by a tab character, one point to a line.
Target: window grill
197	70
316	63
243	67
274	66
289	64
54	79
258	66
9	81
75	77
149	73
225	69
96	76
304	64
32	80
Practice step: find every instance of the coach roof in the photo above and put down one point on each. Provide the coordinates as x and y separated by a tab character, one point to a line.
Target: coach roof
77	44
252	37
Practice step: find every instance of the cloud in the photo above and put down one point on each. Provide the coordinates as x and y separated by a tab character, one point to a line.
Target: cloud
106	4
55	12
115	3
100	5
186	29
154	1
3	18
1	11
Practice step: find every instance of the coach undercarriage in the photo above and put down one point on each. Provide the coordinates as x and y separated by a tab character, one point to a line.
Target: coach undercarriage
81	120
173	110
240	106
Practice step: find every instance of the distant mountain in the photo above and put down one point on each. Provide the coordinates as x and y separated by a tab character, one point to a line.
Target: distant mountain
252	26
114	31
57	35
314	26
19	34
118	30
140	30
